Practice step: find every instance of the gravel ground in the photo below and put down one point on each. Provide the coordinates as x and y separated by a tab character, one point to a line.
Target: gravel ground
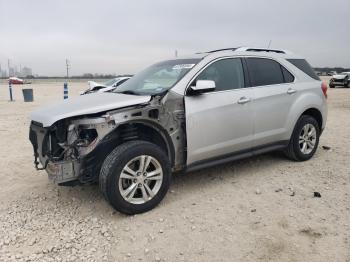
257	209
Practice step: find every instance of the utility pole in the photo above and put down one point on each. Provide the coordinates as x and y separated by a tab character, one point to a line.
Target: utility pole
8	66
10	84
67	67
175	53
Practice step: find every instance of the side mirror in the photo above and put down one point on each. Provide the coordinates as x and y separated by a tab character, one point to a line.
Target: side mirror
202	86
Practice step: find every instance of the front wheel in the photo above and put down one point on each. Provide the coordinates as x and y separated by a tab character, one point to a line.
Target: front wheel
135	177
305	138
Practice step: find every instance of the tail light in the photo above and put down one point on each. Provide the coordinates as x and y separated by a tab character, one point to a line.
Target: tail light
324	88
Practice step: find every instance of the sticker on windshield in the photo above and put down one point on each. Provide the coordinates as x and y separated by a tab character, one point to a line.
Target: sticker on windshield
183	66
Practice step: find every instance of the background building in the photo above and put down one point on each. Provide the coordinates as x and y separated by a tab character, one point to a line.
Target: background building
26	71
2	72
11	71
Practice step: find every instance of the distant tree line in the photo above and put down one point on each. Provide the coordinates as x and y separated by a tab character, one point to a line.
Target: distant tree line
83	76
330	69
102	76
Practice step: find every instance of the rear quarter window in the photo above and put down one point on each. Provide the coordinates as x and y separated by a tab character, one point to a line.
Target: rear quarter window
304	66
288	77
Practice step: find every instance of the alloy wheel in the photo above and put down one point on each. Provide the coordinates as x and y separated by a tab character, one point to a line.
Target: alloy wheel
140	179
307	139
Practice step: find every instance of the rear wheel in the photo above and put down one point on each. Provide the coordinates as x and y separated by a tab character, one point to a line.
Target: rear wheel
304	141
135	177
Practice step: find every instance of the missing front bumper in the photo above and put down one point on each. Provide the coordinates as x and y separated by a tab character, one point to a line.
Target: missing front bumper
64	171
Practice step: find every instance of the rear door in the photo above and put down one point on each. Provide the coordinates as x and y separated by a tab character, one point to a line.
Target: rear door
274	94
220	122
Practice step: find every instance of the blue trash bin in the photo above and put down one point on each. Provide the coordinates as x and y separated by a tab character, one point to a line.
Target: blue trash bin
28	95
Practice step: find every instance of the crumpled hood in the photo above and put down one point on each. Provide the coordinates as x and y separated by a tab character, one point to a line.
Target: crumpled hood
86	104
338	76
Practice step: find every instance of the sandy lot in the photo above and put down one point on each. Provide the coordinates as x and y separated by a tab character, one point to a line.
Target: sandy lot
258	209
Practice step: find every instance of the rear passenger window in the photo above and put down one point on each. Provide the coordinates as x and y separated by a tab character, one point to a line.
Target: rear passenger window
227	74
264	72
288	77
304	66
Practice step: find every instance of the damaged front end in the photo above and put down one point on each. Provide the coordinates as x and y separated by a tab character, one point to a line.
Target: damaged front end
59	149
72	150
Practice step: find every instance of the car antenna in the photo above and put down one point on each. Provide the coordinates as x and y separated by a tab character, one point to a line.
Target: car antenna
268	46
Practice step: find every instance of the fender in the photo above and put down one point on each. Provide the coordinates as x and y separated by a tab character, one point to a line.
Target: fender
305	101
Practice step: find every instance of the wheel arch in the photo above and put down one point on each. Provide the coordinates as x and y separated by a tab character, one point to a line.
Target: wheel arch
312	104
128	131
311	111
315	113
144	130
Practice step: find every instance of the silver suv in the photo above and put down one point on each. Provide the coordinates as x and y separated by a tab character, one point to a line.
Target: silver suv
181	115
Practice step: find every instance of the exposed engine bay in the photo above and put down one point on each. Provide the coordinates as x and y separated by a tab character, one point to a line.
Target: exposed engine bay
73	149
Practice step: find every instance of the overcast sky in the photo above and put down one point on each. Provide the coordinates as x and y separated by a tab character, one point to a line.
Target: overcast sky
114	36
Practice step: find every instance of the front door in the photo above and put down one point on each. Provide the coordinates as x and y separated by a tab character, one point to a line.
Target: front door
219	122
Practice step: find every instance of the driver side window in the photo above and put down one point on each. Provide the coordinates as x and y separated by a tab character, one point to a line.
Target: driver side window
227	73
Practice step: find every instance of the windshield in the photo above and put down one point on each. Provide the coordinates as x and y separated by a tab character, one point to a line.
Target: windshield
110	82
157	78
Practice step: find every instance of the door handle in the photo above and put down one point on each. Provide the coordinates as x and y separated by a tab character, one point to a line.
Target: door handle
291	91
243	100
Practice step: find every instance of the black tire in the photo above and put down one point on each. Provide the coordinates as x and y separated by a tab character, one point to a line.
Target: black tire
293	150
331	86
113	166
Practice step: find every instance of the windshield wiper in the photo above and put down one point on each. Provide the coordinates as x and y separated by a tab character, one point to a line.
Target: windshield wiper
128	92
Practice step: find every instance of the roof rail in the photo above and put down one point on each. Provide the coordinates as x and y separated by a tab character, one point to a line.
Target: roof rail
250	49
218	50
223	49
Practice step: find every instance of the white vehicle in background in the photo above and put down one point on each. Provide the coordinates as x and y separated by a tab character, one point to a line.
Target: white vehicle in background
110	85
341	79
332	73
